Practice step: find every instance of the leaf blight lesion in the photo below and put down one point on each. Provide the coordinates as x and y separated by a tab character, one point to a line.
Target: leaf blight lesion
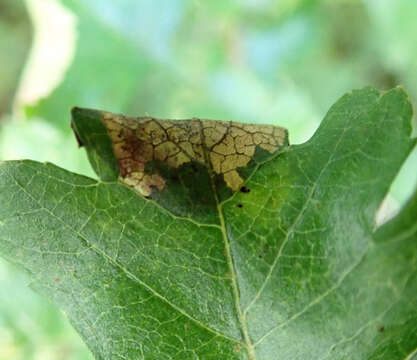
169	160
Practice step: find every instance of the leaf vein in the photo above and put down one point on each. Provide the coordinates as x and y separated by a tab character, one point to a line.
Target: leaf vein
120	266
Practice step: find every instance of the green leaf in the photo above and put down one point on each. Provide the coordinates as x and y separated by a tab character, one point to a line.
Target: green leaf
293	267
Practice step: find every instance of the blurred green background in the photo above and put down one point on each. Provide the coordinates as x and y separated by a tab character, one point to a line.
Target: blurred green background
264	61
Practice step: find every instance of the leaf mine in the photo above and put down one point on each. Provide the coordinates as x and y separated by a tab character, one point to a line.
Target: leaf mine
222	146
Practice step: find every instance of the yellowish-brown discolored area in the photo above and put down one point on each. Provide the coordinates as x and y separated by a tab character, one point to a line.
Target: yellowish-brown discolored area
223	146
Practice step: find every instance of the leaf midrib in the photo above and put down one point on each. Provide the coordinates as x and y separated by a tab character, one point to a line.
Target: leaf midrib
242	317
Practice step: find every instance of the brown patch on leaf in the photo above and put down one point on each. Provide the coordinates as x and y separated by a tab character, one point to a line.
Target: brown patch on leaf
223	146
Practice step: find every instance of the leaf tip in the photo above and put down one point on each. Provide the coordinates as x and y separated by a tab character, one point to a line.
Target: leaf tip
91	134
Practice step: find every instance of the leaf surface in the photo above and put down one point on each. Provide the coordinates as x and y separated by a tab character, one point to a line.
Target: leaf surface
291	267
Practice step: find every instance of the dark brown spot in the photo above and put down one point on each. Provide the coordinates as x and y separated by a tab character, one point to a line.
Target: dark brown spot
381	329
239	205
244	189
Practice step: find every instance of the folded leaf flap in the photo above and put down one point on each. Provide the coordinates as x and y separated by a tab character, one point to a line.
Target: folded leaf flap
178	163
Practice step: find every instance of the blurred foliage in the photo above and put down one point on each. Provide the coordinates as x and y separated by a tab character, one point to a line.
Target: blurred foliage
247	61
265	61
15	37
